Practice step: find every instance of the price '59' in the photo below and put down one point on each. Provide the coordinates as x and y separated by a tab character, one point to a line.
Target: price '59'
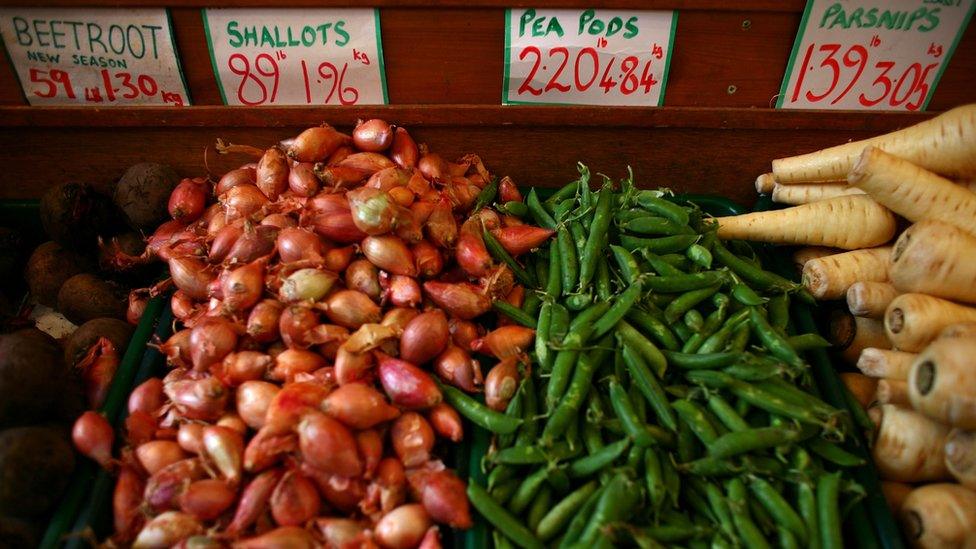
884	82
261	75
563	73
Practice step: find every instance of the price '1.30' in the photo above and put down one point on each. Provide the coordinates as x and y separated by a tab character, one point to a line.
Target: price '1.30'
260	75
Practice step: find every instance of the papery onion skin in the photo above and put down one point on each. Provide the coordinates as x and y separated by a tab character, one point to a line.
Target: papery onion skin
262	322
408	386
501	383
429	260
446	422
351	309
207	499
242	201
316	144
210	342
389	253
147	396
252	401
295	500
253	501
404	151
235	177
456	367
191	276
403	527
460	299
188	200
413	439
92	436
295	244
359	406
363	276
425	337
329	446
373	135
302	179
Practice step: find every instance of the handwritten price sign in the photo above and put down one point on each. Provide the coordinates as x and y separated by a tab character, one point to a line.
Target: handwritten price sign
94	56
297	56
872	54
587	57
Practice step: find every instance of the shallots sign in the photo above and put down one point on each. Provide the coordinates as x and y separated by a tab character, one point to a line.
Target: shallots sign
587	57
297	56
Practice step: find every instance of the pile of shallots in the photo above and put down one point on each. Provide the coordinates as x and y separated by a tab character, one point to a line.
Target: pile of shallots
320	293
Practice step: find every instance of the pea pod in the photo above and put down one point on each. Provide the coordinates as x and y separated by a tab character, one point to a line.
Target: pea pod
530	306
617	503
566	191
746	295
559	324
514	409
649	386
530	412
478	413
593	463
533	455
662	207
741	442
694	361
755	396
686	301
655	327
684	282
806	500
805	342
560	515
579	234
643	435
554	280
615	313
602	284
775	343
538	212
514	313
569	268
662	245
515	208
699	255
828	513
500	254
749	533
694	417
572	399
542	333
654	479
652	356
714	333
693	320
833	453
540	506
501	518
594	243
764	280
726	413
626	262
660	265
576	526
487	195
778	508
651	225
779	311
527	491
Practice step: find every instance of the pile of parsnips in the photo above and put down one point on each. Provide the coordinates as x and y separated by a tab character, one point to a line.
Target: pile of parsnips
912	299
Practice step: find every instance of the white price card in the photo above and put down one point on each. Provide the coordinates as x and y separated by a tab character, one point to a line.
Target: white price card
872	54
587	57
89	56
317	56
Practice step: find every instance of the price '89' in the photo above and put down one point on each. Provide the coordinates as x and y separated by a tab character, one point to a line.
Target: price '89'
585	71
893	85
261	76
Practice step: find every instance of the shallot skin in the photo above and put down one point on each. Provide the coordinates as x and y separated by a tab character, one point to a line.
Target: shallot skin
319	289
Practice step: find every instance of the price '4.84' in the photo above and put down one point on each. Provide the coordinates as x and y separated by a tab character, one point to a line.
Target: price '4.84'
567	73
849	70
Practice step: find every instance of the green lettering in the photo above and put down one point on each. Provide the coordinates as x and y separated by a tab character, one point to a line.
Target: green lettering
585	18
236	40
631	26
55	35
38	33
250	35
919	13
152	31
872	18
830	13
537	27
527	16
324	29
341	31
554	26
856	17
932	19
21	28
308	36
614	26
596	27
266	38
278	41
95	37
132	42
74	27
112	41
291	40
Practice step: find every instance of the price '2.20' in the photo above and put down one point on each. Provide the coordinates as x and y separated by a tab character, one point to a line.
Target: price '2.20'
583	71
891	83
261	76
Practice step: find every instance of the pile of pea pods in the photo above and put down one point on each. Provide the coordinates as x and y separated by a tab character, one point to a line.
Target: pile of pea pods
665	403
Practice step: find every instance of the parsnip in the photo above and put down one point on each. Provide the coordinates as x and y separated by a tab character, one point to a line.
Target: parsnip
870	299
942	383
910	447
848	222
958	330
862	387
960	456
765	183
892	391
914	320
851	335
939	516
829	277
806	193
806	253
895	494
935	258
945	144
885	363
913	192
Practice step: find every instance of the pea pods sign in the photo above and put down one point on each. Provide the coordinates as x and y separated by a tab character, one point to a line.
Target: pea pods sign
297	56
587	57
101	57
872	54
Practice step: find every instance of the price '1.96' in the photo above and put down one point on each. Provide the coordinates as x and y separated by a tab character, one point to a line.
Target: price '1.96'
260	77
556	70
852	72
